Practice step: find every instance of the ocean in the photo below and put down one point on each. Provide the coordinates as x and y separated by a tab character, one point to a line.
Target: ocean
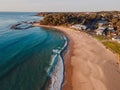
26	56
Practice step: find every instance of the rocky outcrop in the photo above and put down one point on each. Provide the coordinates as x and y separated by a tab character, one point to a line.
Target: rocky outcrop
22	26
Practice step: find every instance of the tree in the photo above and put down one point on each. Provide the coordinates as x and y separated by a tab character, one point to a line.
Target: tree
118	23
114	20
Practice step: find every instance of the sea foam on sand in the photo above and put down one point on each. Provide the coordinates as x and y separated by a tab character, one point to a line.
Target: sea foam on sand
57	76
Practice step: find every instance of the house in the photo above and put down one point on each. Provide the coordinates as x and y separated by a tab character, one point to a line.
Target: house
102	22
100	30
118	39
112	30
79	27
110	27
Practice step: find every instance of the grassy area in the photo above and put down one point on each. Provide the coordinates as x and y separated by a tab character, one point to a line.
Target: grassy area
100	38
114	46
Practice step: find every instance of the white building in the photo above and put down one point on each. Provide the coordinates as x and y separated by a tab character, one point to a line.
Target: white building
100	30
79	27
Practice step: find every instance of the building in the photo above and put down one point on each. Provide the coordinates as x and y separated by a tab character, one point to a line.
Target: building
79	27
102	22
100	30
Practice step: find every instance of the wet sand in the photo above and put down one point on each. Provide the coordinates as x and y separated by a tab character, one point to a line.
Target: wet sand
88	64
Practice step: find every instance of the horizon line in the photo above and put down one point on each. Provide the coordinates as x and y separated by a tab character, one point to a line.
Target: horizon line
64	11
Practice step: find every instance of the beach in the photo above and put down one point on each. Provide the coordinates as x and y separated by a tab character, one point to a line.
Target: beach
89	65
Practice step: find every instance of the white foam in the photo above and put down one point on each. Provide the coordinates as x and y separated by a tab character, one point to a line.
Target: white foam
57	76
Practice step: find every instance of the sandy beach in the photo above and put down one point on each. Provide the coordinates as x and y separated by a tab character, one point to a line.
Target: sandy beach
88	64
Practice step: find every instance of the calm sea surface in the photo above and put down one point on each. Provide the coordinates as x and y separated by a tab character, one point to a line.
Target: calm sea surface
25	55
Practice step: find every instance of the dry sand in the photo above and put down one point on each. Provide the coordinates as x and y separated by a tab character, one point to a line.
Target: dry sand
88	64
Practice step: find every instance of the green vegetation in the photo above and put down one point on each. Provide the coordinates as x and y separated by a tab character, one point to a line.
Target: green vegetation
100	38
114	46
91	20
68	19
118	23
60	19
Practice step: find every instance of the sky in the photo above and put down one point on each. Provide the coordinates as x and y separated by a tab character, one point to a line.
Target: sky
59	5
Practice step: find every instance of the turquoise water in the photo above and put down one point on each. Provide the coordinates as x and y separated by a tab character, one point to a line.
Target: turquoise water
25	55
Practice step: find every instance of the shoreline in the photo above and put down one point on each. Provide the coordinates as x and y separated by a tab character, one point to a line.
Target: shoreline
67	81
57	76
92	66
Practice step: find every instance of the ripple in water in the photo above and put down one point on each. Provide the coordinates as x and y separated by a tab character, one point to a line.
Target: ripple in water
25	55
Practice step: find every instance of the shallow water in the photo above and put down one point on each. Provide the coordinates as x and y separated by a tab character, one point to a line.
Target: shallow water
25	55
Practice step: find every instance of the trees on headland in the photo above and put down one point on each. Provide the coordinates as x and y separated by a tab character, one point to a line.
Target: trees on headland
60	19
92	20
87	18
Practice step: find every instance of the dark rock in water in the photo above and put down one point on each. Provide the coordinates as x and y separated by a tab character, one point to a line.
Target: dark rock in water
22	26
14	26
